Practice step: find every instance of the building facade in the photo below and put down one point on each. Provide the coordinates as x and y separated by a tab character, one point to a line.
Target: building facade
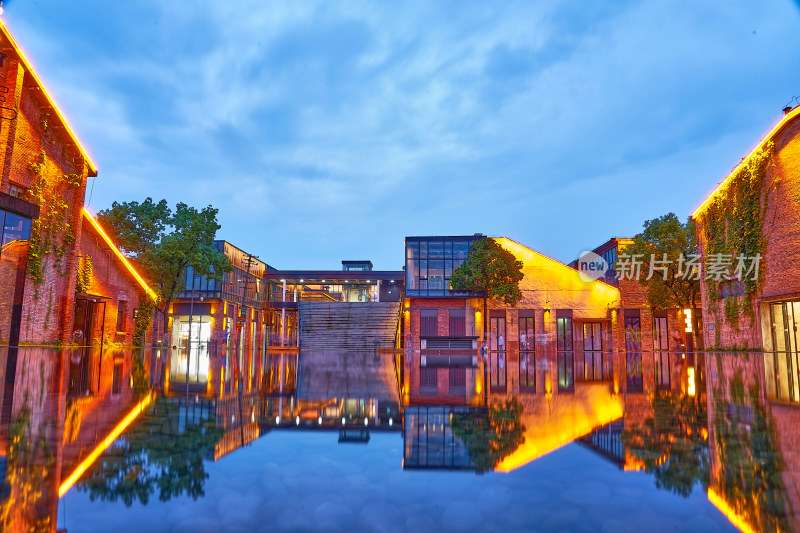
559	333
44	164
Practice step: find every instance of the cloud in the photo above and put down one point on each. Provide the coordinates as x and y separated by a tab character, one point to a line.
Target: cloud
324	131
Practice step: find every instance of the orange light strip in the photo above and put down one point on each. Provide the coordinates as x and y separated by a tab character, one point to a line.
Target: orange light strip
122	258
103	446
723	507
30	69
786	118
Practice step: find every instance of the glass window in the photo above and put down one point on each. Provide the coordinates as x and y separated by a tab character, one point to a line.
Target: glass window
527	355
633	348
661	351
593	364
15	228
122	311
565	356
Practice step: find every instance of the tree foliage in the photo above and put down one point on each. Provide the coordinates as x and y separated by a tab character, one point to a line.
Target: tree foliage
667	238
164	243
153	456
672	444
490	434
491	271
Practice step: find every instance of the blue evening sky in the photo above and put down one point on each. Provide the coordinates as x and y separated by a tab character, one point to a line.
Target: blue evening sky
330	131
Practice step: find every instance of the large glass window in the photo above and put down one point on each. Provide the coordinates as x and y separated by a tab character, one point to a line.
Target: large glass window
565	355
633	348
593	352
784	381
430	261
527	355
661	351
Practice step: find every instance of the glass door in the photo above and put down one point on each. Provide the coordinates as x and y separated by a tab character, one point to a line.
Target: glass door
633	347
786	354
497	354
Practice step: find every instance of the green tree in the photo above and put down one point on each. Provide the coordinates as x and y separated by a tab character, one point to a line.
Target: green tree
490	434
164	244
491	272
666	239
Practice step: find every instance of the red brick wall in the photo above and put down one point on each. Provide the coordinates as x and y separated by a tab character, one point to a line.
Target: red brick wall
781	262
36	137
112	279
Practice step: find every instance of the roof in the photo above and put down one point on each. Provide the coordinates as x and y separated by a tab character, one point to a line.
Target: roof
28	67
785	119
88	216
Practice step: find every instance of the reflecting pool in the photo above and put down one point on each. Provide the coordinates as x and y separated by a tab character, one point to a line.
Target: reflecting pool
95	441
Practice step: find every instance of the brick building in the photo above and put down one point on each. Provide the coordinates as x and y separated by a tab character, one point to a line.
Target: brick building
109	292
44	165
752	320
558	334
220	327
656	347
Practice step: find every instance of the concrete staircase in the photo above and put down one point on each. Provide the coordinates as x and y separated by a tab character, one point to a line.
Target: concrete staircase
338	343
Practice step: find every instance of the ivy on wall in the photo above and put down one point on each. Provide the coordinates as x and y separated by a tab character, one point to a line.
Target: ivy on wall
733	226
84	278
51	233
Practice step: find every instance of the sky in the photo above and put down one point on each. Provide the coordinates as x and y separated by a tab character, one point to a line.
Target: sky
330	131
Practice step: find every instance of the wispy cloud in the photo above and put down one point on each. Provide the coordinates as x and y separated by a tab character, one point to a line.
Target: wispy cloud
324	131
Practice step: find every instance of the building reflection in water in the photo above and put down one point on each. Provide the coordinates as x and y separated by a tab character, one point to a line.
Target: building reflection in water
95	421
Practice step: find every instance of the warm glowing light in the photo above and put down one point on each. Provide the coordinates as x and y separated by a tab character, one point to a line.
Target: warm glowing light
121	257
100	448
687	314
569	420
723	507
691	391
786	118
30	70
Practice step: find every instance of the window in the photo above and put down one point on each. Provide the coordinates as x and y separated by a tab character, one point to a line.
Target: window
633	348
565	357
661	350
122	311
783	370
527	354
458	325
430	261
497	352
593	368
427	323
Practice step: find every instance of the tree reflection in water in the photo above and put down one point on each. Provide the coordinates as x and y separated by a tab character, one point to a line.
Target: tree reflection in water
672	445
154	454
490	434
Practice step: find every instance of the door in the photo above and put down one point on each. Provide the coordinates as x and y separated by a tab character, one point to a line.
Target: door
497	353
633	347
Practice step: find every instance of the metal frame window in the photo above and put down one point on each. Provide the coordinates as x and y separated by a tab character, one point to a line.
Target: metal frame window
593	360
784	381
430	261
565	355
633	355
497	353
527	354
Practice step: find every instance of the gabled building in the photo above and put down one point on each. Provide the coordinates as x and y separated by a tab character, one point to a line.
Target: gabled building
42	188
559	333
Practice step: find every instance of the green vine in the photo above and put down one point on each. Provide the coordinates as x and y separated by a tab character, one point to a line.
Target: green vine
51	233
733	225
83	280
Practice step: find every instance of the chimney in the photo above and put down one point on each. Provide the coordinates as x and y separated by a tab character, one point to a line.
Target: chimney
787	109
